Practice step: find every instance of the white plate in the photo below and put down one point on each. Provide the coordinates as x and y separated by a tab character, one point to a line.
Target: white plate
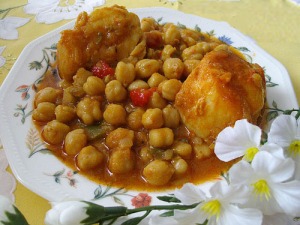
47	176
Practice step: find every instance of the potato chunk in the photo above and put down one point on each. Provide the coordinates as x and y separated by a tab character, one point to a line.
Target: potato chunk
221	90
109	34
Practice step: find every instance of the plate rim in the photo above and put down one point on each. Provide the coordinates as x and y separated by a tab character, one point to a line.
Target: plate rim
8	143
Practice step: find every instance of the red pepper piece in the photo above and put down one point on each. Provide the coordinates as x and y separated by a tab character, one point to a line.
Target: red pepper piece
140	97
102	69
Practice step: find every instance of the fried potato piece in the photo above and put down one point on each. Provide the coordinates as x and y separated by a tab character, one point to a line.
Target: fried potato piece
223	88
109	34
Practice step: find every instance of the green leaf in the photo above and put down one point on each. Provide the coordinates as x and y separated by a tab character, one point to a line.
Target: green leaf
35	65
180	25
14	218
243	49
272	115
170	198
298	114
118	201
274	104
94	212
271	84
136	220
167	214
197	28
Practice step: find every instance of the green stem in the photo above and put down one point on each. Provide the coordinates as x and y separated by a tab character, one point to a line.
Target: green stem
112	213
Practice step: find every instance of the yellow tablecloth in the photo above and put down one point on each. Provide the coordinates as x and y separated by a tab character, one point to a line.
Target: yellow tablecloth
273	24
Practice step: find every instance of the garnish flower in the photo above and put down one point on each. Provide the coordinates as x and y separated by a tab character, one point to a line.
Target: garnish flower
73	213
52	11
9	25
243	140
268	179
285	131
9	214
220	206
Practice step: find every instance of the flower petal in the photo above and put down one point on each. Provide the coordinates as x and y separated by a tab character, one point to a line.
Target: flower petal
233	215
237	194
273	149
278	170
232	143
287	196
189	194
241	173
283	130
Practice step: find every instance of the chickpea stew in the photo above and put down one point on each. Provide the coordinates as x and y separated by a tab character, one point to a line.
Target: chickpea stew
116	122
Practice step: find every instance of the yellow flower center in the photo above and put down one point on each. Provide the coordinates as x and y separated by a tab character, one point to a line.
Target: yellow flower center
262	190
250	153
294	148
212	208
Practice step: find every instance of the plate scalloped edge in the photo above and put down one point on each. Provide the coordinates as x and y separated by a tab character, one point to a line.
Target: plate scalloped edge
13	140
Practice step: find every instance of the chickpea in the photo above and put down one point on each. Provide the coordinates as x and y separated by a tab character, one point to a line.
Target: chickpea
76	91
172	35
134	119
152	118
125	73
115	92
154	39
81	77
173	68
94	86
171	117
121	160
161	138
68	97
182	149
137	53
158	172
120	137
88	110
146	67
115	114
148	24
65	113
48	94
157	101
75	141
170	88
44	112
55	132
167	52
89	157
138	84
156	79
189	65
192	52
180	166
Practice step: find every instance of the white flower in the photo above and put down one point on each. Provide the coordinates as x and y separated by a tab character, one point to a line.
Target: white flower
285	131
52	11
67	213
268	178
242	140
7	208
8	182
220	207
8	27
